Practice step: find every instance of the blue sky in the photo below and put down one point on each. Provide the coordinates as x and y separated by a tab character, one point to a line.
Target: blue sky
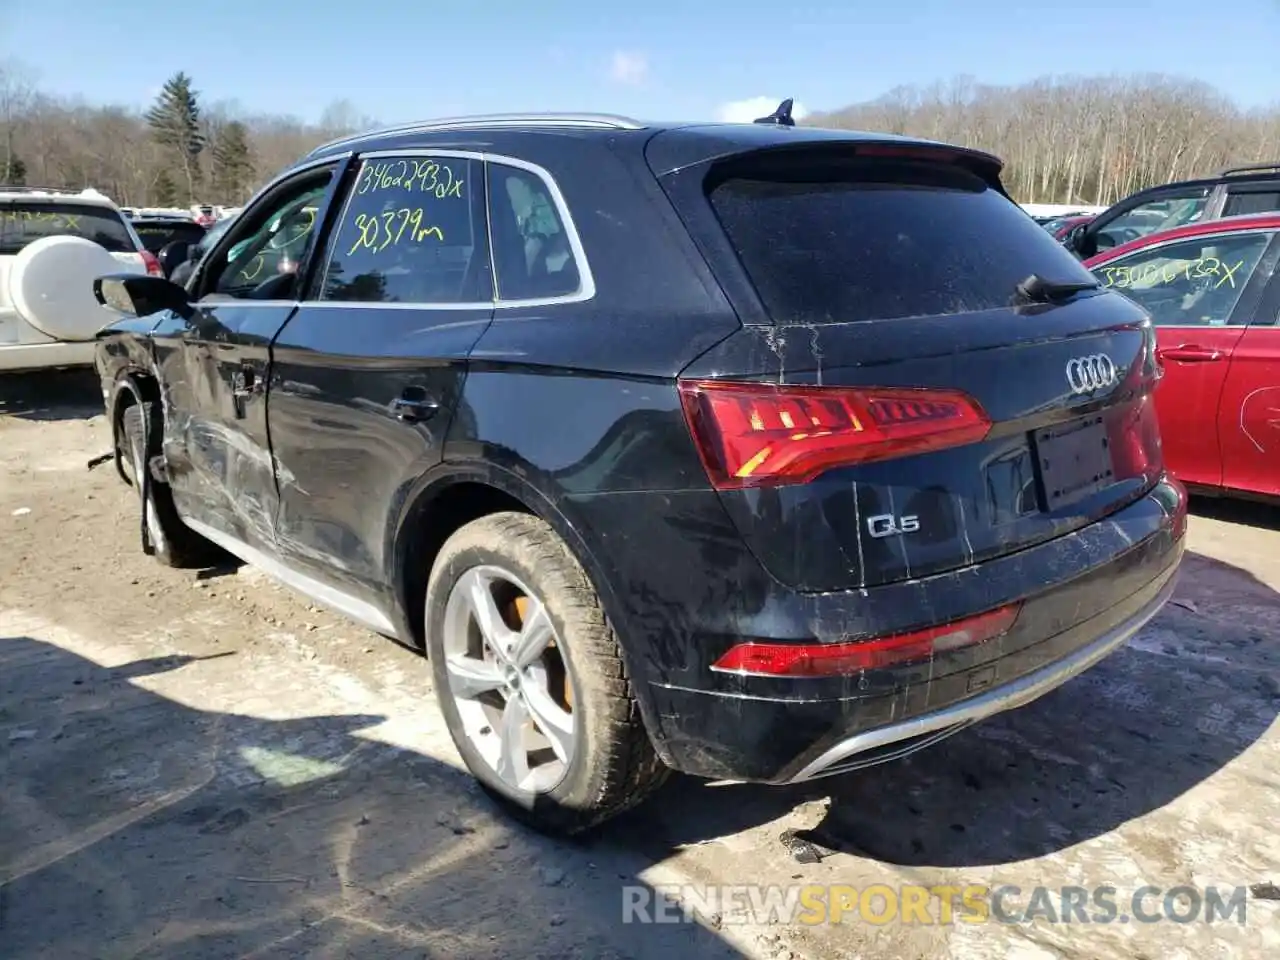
653	59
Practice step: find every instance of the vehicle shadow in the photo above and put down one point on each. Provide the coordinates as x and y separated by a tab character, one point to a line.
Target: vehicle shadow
72	394
134	825
1252	513
1183	699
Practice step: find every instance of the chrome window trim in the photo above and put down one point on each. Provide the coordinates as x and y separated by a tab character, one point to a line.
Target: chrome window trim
586	278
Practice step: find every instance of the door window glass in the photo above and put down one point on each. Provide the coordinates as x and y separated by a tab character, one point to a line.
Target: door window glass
1165	213
413	231
269	243
1191	283
1240	204
531	247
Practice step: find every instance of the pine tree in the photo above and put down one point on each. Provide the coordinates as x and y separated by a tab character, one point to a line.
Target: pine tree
163	190
232	163
175	124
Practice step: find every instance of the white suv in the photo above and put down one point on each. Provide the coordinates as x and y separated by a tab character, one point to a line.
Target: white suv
53	244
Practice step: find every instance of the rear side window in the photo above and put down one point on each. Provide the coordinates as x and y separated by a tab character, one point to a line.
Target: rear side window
413	232
877	240
531	250
22	224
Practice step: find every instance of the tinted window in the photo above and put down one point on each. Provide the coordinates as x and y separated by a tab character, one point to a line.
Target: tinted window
1169	211
1241	204
22	223
412	232
532	255
269	242
877	240
155	234
1191	283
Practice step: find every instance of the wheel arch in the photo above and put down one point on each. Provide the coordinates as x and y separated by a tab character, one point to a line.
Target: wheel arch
452	495
446	498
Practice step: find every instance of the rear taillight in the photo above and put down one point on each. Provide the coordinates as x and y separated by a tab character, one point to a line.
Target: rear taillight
762	434
152	264
839	659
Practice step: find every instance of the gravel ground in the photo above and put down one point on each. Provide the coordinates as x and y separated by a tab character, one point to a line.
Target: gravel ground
203	765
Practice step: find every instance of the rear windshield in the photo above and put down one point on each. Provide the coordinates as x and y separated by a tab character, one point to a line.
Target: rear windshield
155	235
23	223
878	240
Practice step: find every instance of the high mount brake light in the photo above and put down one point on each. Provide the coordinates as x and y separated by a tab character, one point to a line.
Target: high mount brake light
763	434
839	659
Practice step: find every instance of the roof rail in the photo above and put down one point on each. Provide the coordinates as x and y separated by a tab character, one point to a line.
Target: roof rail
1251	168
604	121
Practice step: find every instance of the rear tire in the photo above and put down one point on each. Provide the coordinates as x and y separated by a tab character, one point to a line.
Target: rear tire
175	544
548	659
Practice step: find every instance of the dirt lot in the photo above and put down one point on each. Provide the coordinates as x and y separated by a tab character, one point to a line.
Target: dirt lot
201	765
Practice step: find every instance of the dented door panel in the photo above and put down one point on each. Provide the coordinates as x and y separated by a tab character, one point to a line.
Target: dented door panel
214	368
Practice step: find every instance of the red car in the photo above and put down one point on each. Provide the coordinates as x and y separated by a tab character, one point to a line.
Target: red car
1060	227
1213	293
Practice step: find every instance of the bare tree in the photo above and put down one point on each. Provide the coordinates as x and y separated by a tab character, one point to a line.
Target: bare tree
16	89
1080	139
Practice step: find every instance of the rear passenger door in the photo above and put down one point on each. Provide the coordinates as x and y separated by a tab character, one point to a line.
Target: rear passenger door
369	370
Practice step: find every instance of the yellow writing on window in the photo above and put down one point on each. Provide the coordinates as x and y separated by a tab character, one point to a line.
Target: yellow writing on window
418	176
1158	274
66	221
378	231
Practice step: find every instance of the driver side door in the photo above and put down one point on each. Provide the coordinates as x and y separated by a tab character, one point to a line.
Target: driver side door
1200	293
1159	210
215	364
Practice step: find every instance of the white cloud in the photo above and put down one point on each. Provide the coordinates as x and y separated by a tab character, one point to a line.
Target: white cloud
744	111
629	67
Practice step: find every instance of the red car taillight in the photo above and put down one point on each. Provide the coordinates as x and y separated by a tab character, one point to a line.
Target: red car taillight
763	434
152	264
838	659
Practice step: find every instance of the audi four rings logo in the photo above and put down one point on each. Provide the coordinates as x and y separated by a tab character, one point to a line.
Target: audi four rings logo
1086	374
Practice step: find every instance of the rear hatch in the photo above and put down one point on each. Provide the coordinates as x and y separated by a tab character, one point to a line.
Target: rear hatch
895	406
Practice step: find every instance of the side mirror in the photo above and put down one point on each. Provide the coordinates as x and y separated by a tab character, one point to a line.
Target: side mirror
139	295
173	254
1073	239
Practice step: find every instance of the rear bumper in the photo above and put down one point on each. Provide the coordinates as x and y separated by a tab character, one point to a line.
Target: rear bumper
1083	595
906	736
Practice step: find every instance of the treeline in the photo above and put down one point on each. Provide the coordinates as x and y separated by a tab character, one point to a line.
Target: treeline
182	149
1087	140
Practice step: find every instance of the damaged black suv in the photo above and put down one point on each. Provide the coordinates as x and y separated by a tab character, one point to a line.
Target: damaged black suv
754	451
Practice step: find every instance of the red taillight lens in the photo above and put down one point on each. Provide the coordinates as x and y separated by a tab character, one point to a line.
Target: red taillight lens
152	264
758	434
838	659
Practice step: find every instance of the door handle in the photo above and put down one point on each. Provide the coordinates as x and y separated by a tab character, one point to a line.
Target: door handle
414	406
1190	353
